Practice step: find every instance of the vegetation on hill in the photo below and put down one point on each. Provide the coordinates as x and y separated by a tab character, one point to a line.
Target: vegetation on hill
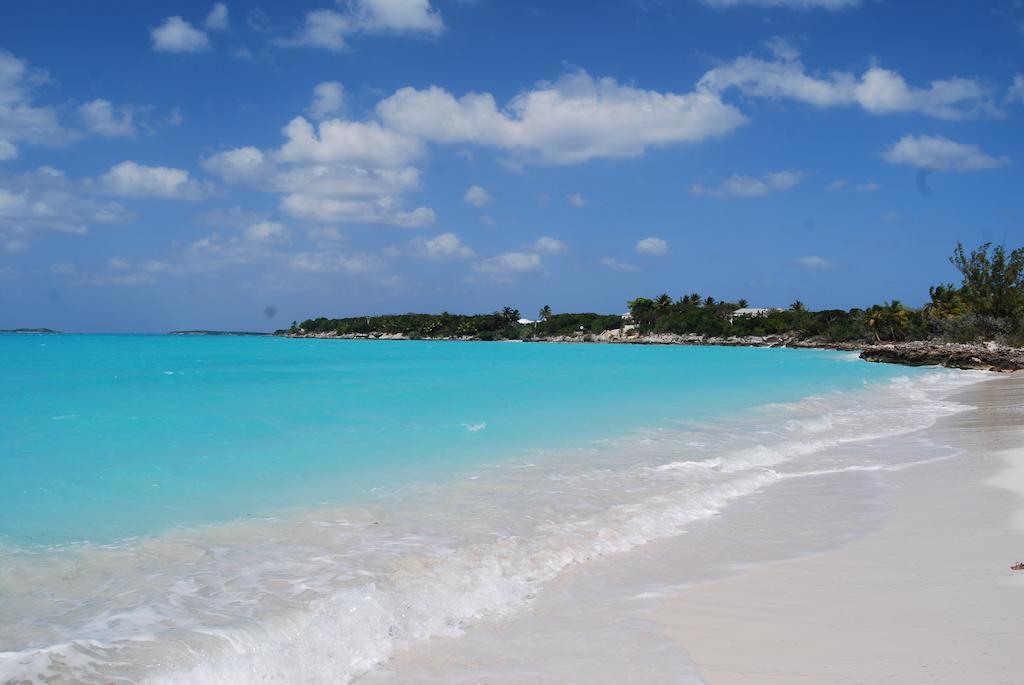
987	305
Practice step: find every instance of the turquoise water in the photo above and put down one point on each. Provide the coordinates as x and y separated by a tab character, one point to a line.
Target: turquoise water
237	510
108	437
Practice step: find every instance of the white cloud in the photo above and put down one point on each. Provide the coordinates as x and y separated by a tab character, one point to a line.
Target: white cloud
787	4
333	190
399	16
574	119
267	232
175	118
338	140
103	119
814	262
616	265
244	164
135	180
878	90
1016	91
549	245
477	196
444	246
175	34
329	30
322	29
576	200
46	201
837	185
217	19
21	120
936	153
328	100
747	186
384	210
507	266
868	187
653	247
317	262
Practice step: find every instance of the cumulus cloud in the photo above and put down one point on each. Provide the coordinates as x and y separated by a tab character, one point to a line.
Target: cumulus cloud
267	232
102	118
330	29
936	153
616	265
548	245
509	265
1016	90
877	90
21	120
444	246
383	210
814	262
135	180
572	120
652	247
748	186
786	4
328	100
217	19
174	34
576	200
46	201
340	140
477	196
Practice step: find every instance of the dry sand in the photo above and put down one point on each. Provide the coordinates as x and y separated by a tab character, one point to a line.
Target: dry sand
927	598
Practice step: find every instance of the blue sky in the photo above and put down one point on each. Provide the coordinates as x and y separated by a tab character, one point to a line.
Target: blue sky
239	165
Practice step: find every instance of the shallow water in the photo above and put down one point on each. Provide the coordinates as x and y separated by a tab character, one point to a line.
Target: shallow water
263	510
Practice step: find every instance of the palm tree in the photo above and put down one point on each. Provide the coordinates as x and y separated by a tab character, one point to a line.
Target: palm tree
545	313
743	304
798	306
664	301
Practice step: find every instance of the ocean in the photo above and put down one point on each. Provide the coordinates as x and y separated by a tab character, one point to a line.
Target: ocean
244	509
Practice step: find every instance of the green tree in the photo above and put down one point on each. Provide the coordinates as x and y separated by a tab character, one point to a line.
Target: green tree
545	313
993	280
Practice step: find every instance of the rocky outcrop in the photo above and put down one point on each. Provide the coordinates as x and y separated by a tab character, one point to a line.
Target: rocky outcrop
983	356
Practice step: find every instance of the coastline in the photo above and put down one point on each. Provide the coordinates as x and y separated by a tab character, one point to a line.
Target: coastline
889	574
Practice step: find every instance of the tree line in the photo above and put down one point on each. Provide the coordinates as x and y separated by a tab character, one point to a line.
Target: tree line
988	304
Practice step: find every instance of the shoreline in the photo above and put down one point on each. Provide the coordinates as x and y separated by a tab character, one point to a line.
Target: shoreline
968	356
889	575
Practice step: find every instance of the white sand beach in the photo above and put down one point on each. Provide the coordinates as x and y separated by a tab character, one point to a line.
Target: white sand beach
928	598
870	576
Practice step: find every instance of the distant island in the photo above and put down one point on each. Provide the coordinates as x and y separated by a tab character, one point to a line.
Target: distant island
28	330
978	324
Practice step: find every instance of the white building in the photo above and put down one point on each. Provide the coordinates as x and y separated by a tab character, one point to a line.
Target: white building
752	312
